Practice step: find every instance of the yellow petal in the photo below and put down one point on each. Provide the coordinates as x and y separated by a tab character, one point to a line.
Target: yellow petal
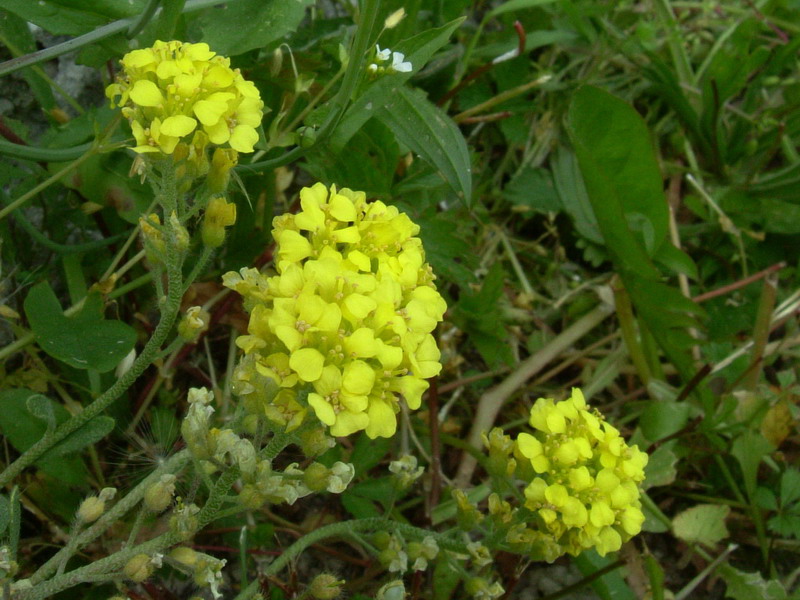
307	363
178	125
382	422
243	138
322	409
146	93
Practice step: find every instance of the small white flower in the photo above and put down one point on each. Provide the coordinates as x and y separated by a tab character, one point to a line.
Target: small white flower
382	55
398	64
373	68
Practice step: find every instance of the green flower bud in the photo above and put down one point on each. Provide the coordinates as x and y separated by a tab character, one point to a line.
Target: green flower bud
159	495
93	507
140	567
193	323
219	214
325	587
314	442
316	477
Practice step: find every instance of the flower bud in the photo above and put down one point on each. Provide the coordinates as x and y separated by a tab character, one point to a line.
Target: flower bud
179	231
314	442
219	215
193	323
222	161
139	568
480	589
325	587
406	471
251	498
159	495
154	247
316	477
184	521
93	507
467	515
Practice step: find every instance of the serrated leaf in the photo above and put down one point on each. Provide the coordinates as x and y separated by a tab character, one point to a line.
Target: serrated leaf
83	341
428	131
749	586
235	28
704	524
785	525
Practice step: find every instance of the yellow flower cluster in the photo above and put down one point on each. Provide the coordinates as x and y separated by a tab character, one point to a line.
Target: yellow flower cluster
349	314
175	90
586	488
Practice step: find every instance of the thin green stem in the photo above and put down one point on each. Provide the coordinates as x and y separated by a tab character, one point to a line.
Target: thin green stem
766	305
627	323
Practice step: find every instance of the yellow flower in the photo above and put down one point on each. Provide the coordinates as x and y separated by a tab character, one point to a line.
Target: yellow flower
352	306
586	493
175	90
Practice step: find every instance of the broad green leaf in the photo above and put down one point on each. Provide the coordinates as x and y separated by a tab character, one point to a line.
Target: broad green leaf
428	131
749	449
418	51
236	27
358	506
83	341
512	5
661	419
72	17
445	578
704	524
621	174
750	586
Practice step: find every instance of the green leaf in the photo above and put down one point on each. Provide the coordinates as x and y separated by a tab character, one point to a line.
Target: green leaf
660	469
574	198
533	189
429	132
83	341
785	525
790	486
358	506
447	251
512	5
418	51
72	17
620	169
749	449
661	419
704	524
87	435
41	407
234	28
368	453
610	586
23	430
749	586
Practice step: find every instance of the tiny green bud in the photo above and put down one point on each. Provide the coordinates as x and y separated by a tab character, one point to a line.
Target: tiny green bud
251	498
179	231
159	495
315	441
325	587
93	507
219	214
193	323
138	568
316	477
306	136
184	555
381	539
